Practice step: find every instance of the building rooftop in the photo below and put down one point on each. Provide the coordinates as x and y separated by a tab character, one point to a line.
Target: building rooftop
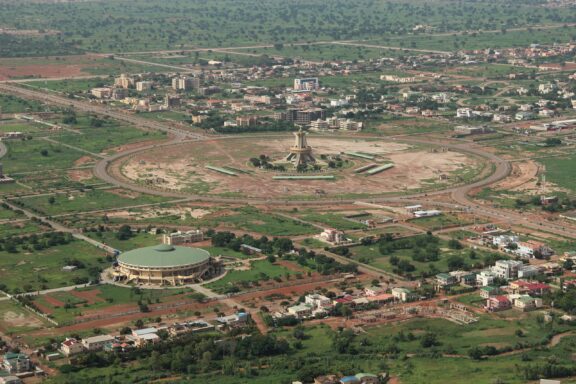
164	255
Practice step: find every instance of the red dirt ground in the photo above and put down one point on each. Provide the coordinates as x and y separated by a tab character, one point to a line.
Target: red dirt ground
48	70
91	297
53	301
43	308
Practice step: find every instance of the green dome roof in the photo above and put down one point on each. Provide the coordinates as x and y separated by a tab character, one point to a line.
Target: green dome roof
164	255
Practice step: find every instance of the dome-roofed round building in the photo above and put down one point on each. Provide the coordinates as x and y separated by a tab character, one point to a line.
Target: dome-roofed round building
166	264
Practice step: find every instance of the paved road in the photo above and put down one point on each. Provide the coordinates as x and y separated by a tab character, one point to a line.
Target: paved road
99	109
458	193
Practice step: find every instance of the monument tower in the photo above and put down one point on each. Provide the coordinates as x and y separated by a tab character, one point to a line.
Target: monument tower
300	152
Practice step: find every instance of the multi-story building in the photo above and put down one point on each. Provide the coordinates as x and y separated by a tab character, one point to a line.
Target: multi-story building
71	346
101	93
96	343
177	238
507	269
16	363
307	84
124	81
142	86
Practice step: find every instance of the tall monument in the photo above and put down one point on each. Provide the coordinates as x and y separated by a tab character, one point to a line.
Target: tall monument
300	152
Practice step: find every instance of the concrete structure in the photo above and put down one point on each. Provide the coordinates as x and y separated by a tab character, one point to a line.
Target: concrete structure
101	93
498	303
402	294
166	264
142	86
15	363
124	81
176	238
71	347
307	84
507	269
333	236
428	213
301	152
96	343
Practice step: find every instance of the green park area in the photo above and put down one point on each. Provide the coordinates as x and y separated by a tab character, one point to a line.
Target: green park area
443	221
89	200
560	171
332	220
420	255
36	263
254	220
258	273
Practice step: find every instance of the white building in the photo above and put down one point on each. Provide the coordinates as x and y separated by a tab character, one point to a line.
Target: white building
507	269
96	343
176	238
464	113
428	213
307	84
485	278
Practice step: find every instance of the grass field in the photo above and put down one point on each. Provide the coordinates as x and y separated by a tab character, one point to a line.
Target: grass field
259	271
88	201
105	296
14	104
14	319
30	271
332	220
27	156
136	241
442	221
253	220
560	171
370	254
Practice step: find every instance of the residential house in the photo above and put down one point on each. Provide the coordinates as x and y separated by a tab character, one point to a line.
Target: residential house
318	301
96	343
529	288
526	303
498	303
402	294
71	346
237	319
374	291
532	248
301	311
489	291
485	278
507	269
444	280
465	277
14	363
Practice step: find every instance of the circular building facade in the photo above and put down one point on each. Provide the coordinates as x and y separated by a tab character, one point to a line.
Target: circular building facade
166	265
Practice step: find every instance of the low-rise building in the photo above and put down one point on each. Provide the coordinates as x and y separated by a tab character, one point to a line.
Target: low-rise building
403	294
489	291
497	303
96	343
301	310
176	238
15	363
71	346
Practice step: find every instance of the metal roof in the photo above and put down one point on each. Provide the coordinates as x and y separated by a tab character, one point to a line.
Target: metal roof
163	255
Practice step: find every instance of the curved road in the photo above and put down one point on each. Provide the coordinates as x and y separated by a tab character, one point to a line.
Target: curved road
458	193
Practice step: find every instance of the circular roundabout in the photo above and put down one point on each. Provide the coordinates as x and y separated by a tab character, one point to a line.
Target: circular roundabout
272	168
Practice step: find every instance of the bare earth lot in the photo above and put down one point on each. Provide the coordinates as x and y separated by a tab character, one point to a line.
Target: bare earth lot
183	167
